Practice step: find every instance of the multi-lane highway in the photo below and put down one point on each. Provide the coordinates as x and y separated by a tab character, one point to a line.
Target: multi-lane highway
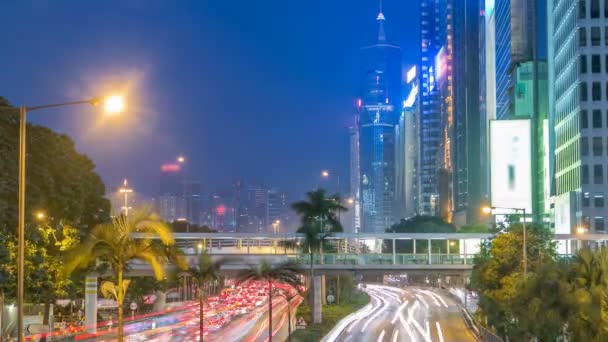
408	314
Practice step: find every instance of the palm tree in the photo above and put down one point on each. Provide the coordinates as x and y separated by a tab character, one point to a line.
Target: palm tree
206	271
114	244
286	273
318	220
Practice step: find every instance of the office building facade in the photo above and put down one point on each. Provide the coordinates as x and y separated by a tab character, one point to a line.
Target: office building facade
578	112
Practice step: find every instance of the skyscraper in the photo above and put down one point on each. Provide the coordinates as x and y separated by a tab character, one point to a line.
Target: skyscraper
171	203
432	39
354	211
514	25
463	33
407	156
276	203
450	123
378	113
192	193
578	108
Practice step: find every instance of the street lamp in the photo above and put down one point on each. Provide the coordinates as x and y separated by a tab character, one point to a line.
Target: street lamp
326	174
489	210
40	215
181	159
112	105
580	230
275	225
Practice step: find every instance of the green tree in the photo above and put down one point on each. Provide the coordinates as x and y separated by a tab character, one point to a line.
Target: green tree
60	181
418	224
318	219
114	244
286	273
498	277
205	272
588	276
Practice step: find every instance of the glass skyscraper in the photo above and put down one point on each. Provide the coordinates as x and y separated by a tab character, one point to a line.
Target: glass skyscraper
432	39
379	108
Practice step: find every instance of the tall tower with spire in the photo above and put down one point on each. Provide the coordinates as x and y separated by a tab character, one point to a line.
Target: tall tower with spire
378	111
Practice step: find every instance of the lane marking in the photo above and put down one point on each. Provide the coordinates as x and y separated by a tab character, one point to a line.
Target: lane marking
439	331
381	336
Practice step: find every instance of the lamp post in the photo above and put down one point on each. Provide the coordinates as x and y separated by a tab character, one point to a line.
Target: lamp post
112	104
125	190
326	174
489	210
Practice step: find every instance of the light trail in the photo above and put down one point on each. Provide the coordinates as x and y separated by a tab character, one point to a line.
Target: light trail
398	312
381	336
395	335
439	331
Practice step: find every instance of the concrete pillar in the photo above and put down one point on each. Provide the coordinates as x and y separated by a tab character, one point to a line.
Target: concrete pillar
317	301
345	246
90	303
414	244
323	290
161	300
429	251
464	248
394	253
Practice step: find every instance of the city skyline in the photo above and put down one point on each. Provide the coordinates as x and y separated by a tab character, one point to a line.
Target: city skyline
319	49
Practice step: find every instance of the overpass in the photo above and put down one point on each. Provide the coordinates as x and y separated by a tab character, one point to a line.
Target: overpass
353	252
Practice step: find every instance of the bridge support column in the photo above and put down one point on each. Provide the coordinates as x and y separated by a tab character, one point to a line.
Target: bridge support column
316	300
429	250
414	245
394	253
90	303
464	249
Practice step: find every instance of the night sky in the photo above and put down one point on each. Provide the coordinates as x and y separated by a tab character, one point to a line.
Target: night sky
259	90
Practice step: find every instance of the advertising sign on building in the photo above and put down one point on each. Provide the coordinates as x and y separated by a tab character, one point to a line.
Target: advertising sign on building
510	164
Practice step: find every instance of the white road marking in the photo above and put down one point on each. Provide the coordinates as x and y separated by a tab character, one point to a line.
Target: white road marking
439	331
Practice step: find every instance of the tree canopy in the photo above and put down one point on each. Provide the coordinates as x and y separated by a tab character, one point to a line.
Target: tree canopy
60	181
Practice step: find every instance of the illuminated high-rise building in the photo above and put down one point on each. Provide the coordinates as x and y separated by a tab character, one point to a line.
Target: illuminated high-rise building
407	157
450	123
171	202
378	112
432	39
578	108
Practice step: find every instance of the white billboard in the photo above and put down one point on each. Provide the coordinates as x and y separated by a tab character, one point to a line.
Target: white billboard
510	164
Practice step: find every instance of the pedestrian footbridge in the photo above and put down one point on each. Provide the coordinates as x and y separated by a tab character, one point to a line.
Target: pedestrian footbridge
347	252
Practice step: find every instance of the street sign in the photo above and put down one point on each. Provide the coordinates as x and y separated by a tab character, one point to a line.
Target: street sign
133	306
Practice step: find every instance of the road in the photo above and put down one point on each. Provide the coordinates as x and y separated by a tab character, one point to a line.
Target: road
408	314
